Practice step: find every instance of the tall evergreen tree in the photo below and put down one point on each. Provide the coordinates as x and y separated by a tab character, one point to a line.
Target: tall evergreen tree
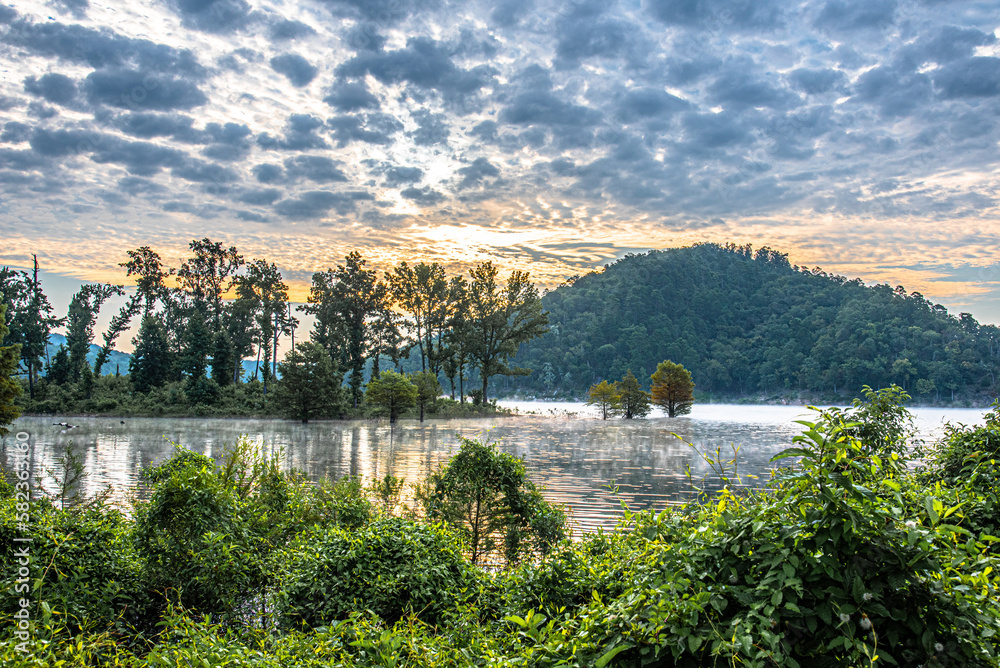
29	318
222	358
151	360
310	386
10	389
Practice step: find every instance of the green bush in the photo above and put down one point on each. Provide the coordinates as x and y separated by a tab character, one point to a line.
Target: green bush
391	567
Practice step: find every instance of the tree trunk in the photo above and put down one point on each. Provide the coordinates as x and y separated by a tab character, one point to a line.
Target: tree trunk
485	381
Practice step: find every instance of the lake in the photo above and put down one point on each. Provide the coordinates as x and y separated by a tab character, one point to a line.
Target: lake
575	455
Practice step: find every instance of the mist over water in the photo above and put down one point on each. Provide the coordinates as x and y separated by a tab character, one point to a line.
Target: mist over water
574	455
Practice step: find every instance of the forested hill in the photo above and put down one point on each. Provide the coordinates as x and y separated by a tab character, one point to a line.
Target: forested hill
748	323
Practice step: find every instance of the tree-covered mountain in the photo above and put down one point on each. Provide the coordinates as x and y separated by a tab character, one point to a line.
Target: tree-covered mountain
747	322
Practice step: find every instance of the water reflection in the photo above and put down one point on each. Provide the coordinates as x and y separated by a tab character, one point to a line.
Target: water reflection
574	457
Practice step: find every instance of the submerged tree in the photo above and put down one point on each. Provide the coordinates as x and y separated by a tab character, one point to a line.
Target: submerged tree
391	392
428	390
310	385
672	388
633	401
605	396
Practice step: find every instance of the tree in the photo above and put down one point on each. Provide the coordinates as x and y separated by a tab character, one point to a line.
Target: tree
310	385
428	390
119	323
10	389
150	283
209	274
456	336
264	292
29	318
347	302
391	392
421	291
605	396
633	401
500	319
150	364
672	388
486	495
222	358
83	310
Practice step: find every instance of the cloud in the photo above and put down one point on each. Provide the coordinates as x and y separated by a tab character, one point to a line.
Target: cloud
263	197
350	97
969	78
508	13
424	63
432	129
268	173
15	132
318	203
52	87
473	174
367	128
213	16
299	71
134	89
300	134
314	168
147	125
644	103
78	8
719	15
425	196
816	81
847	16
101	48
286	30
395	175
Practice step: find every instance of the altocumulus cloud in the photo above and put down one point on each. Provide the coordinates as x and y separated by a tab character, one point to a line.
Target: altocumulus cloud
674	115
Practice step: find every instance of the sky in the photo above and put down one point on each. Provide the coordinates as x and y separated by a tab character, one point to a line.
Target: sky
860	136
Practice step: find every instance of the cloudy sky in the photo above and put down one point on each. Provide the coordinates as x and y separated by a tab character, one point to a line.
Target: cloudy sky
858	135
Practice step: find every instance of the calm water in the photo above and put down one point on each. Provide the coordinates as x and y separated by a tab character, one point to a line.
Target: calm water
573	454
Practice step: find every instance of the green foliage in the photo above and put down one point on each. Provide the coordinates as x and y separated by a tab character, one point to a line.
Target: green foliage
151	360
309	385
486	496
632	401
845	558
391	567
746	322
428	390
10	389
391	393
605	396
672	388
499	319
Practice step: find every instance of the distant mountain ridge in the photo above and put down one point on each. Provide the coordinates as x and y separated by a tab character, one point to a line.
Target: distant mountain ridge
747	323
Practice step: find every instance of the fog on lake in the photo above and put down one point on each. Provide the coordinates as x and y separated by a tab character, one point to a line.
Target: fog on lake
574	455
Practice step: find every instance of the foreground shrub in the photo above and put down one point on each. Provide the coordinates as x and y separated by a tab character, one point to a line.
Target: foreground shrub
391	567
